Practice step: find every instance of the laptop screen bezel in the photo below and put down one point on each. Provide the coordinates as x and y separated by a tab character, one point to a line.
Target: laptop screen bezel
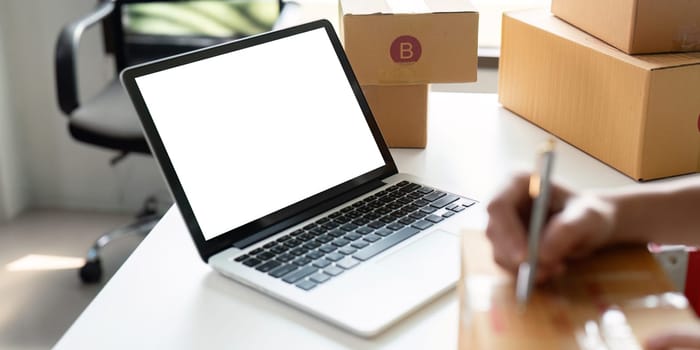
207	248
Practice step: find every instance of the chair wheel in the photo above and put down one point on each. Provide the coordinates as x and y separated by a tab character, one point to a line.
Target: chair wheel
91	272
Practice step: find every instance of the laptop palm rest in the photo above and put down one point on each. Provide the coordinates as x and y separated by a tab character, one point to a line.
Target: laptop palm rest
398	283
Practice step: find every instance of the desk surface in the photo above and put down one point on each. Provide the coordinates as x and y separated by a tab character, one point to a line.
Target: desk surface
165	297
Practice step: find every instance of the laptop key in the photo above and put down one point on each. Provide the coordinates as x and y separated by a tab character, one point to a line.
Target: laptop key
257	251
376	224
447	214
336	233
335	256
282	270
425	190
268	266
297	232
347	250
319	277
372	238
269	245
414	195
311	245
242	257
333	270
315	255
421	203
278	249
302	261
317	231
418	215
444	201
324	239
384	232
265	256
386	219
328	248
340	242
386	243
348	263
298	251
364	230
299	274
306	285
407	220
352	236
321	263
395	226
434	218
305	237
428	209
283	239
363	220
285	257
349	227
359	244
252	262
435	195
292	243
422	225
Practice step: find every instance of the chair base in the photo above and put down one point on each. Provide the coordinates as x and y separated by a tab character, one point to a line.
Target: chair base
91	272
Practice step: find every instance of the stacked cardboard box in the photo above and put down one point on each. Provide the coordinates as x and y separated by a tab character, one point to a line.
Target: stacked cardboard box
638	113
398	47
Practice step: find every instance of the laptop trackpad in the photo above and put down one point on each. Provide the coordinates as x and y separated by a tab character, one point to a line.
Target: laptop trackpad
402	281
425	266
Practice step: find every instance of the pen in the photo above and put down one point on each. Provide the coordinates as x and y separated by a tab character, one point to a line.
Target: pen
539	189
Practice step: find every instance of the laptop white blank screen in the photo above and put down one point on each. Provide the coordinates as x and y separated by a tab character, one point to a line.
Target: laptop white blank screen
253	131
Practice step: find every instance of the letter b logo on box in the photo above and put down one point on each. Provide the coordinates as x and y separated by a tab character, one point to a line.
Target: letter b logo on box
405	49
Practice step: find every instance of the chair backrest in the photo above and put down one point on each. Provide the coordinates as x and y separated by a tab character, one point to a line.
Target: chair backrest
145	30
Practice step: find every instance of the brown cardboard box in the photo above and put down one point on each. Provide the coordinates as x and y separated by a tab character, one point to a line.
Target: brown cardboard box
638	114
410	42
617	297
637	26
401	113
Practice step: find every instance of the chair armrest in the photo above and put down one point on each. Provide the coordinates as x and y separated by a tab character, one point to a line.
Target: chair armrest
67	55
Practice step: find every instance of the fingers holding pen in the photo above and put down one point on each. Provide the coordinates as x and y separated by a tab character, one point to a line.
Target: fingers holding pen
505	228
584	224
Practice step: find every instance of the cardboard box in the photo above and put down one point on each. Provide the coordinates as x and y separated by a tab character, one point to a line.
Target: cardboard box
637	26
401	112
410	42
638	114
614	299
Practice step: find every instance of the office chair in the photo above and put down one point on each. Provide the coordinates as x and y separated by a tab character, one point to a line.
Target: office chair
136	32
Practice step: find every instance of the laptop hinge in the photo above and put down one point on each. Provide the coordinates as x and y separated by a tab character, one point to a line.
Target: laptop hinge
307	214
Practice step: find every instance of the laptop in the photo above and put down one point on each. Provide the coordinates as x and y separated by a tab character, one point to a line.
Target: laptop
286	185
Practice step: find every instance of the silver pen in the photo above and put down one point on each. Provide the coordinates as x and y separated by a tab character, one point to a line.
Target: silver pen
539	191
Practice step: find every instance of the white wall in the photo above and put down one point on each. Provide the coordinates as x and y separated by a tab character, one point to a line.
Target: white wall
13	194
60	172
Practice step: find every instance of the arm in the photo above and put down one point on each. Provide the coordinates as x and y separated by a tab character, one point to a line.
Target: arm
663	213
581	222
67	56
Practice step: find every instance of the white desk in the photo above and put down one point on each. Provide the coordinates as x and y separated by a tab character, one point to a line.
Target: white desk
165	297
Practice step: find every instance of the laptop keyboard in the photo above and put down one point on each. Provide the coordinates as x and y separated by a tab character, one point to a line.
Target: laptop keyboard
324	249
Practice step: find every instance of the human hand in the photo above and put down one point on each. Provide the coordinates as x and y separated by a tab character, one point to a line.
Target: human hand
674	339
576	225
